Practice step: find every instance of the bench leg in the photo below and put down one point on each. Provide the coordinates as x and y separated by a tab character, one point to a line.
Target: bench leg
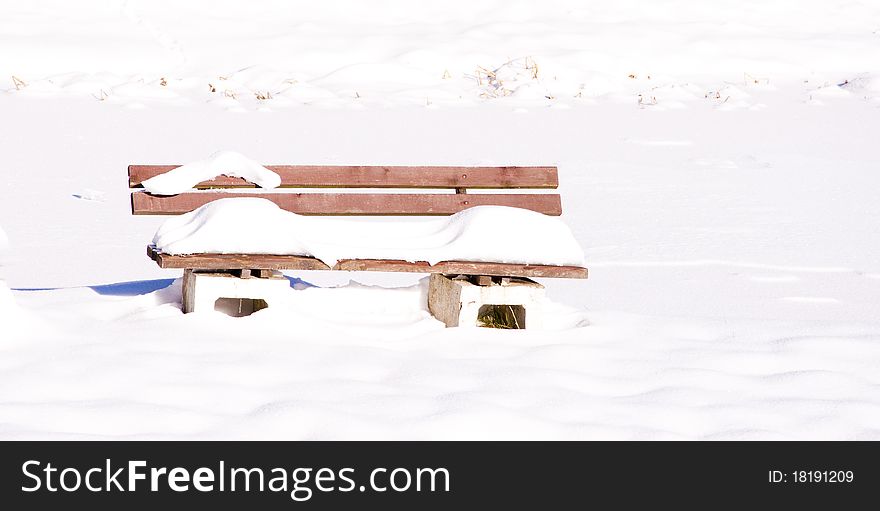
508	303
232	294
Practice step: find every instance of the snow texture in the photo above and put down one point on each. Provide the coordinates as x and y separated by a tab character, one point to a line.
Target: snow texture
226	163
483	233
717	163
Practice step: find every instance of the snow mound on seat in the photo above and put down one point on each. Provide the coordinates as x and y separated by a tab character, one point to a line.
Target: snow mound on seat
482	233
226	163
231	226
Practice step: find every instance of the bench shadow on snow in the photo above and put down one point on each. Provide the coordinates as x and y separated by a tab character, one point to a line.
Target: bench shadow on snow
132	288
143	287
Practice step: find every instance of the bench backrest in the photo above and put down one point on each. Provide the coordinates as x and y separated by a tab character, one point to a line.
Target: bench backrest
360	202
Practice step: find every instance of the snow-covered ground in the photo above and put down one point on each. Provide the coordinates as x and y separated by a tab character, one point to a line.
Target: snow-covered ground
717	162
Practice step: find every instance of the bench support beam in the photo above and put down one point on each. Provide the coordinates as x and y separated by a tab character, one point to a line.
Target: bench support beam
231	293
512	303
292	262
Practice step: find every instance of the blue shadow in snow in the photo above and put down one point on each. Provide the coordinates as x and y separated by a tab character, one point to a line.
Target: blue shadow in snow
142	287
133	288
298	283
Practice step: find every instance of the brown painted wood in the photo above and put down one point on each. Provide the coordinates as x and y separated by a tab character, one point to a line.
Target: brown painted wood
143	203
359	176
238	261
464	268
291	262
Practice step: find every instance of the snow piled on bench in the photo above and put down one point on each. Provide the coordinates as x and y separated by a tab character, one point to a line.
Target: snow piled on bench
6	300
221	163
717	165
483	233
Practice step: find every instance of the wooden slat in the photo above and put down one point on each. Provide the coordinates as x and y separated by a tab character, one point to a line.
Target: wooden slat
481	280
347	176
143	203
464	268
290	262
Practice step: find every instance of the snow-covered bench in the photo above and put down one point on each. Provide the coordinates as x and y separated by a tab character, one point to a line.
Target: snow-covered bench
460	291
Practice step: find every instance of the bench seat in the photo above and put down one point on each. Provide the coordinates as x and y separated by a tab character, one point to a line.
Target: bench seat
294	262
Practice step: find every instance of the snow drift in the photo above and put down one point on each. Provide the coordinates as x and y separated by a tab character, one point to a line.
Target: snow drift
482	233
227	163
4	241
6	299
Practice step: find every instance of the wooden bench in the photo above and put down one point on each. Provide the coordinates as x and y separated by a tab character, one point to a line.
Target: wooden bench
431	194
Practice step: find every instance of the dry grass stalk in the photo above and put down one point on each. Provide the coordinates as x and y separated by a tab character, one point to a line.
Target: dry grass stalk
751	79
18	82
501	316
493	81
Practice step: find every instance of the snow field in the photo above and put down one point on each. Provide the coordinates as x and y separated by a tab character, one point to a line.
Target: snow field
462	53
717	167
